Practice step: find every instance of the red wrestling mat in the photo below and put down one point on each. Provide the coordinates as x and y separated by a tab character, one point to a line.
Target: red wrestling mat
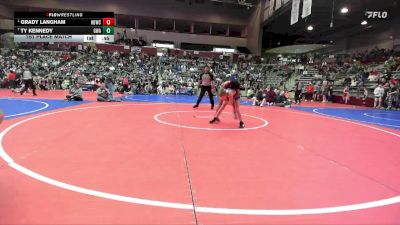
131	163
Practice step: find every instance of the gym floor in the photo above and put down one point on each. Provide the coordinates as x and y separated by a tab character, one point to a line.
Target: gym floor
156	160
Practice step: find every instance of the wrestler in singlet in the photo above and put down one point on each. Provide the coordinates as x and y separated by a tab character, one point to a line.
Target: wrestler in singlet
229	93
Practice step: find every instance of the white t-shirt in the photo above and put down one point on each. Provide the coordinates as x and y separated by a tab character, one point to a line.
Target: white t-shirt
378	92
26	75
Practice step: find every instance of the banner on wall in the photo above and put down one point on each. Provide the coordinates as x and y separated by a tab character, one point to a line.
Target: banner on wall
278	4
271	7
266	14
295	12
307	4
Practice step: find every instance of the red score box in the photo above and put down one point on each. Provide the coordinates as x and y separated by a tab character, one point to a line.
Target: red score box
108	21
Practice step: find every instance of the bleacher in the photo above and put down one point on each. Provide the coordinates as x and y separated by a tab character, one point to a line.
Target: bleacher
272	78
396	74
356	91
308	75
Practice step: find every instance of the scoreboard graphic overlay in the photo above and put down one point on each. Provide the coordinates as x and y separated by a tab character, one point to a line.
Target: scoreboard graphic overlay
64	27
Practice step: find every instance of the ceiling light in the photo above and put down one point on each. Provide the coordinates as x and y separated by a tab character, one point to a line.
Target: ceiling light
344	10
310	28
364	22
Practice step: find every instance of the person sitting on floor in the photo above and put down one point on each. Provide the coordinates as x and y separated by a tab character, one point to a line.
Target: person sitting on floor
270	97
75	93
103	95
18	89
282	100
257	99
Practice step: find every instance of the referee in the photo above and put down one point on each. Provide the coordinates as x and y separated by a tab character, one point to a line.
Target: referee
297	91
207	84
28	81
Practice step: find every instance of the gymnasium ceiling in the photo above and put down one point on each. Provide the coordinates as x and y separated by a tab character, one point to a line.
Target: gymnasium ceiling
321	17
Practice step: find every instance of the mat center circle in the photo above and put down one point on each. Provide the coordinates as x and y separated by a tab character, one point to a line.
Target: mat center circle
199	120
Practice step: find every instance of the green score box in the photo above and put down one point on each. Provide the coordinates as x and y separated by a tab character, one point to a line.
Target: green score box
108	30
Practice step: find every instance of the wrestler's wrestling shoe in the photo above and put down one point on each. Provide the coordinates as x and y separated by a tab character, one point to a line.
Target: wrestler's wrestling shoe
214	120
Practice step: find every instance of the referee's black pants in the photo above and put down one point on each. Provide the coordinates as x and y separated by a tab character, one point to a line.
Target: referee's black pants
297	94
29	84
205	89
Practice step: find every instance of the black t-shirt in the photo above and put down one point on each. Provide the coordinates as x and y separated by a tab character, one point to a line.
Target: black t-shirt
259	95
281	99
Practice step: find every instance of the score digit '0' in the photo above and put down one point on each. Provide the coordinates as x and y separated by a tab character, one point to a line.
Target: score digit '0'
108	21
108	30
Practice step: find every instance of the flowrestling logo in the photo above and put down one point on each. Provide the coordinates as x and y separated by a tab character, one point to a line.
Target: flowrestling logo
376	14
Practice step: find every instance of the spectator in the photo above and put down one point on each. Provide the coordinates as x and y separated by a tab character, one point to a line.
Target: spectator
258	98
11	79
347	81
378	94
103	94
324	91
160	89
28	81
109	81
392	96
282	100
346	94
270	97
317	92
310	92
125	84
297	92
330	92
75	93
250	93
365	95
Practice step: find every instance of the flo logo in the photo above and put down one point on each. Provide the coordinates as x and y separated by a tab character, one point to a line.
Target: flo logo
376	14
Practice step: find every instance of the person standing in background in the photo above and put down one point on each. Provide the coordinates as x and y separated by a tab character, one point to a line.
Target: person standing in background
364	96
125	84
27	80
109	81
297	92
11	79
378	94
346	94
207	85
391	96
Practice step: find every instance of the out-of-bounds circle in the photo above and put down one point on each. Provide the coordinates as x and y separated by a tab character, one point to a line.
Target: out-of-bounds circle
45	106
372	115
200	209
157	118
317	111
